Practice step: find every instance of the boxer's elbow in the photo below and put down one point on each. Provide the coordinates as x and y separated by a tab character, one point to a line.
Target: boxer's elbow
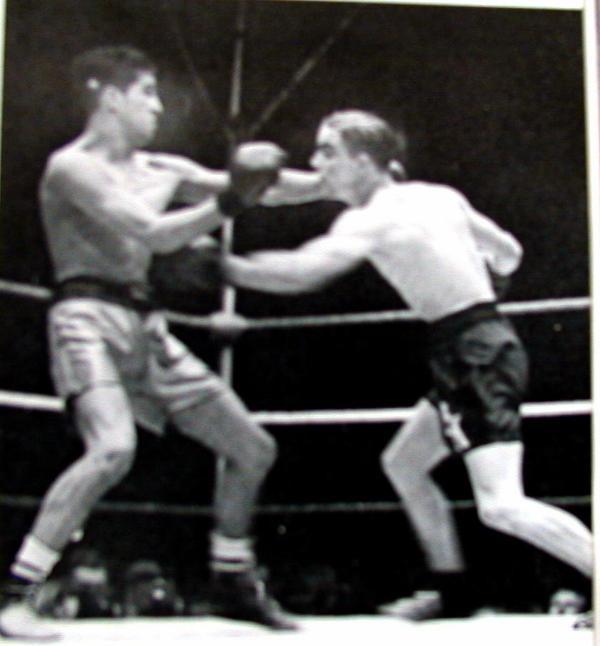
158	242
512	256
155	238
165	236
506	257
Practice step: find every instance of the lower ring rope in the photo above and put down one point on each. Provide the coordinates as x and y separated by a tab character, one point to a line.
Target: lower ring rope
31	502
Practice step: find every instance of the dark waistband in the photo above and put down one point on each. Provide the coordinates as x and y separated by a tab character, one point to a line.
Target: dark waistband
136	296
447	328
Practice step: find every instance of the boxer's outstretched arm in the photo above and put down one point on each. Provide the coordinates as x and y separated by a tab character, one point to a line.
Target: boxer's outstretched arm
306	269
198	182
295	187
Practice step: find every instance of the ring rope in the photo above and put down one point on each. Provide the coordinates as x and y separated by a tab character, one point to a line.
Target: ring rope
387	316
383	415
538	409
290	418
31	502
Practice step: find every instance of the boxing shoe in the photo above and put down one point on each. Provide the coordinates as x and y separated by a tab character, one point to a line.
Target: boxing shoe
20	620
421	606
243	596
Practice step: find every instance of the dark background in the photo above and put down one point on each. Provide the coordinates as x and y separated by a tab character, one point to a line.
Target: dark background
493	103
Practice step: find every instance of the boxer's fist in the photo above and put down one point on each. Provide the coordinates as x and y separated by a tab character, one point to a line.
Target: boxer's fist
196	267
254	167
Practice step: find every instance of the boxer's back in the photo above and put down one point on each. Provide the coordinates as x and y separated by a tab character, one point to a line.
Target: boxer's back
423	247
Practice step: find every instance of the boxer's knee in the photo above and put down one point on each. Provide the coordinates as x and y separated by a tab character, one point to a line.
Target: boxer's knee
399	469
499	512
253	453
415	449
110	462
260	451
390	462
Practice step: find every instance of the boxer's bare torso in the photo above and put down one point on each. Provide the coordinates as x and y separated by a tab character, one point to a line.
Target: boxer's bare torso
82	241
420	239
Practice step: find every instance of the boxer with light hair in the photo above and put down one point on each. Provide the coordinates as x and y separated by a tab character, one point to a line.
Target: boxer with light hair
112	358
444	259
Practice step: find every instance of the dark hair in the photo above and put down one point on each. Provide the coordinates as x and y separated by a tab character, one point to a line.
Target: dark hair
114	65
366	132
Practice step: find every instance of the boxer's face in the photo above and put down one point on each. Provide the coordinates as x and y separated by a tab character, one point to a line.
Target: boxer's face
340	168
139	107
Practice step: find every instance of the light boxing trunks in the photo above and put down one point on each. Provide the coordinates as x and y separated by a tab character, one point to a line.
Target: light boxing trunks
101	333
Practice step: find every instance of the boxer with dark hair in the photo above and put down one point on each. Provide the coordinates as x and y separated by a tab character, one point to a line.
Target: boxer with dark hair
440	255
112	358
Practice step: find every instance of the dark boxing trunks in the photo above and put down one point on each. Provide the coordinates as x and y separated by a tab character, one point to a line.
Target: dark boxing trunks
480	376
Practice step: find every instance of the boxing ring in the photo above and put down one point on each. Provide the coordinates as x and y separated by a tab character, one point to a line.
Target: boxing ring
492	631
488	629
491	628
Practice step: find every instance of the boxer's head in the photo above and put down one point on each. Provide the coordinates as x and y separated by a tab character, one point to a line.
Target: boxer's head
120	80
352	146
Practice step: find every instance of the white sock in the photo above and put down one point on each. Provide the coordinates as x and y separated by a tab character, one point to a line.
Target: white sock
231	554
34	561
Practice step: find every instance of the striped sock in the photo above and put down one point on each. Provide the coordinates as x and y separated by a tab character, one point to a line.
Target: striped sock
34	561
231	554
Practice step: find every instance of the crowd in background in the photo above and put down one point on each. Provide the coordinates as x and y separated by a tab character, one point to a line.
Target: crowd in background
91	586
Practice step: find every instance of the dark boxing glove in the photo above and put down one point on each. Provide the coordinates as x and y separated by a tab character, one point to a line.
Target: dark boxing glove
197	267
254	167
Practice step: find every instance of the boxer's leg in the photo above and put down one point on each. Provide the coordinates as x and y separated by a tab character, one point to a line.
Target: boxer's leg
495	471
104	421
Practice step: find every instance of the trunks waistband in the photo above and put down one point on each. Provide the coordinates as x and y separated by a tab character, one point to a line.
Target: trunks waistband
447	328
137	296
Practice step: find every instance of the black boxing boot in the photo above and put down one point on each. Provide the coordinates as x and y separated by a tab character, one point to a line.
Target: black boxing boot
242	595
237	590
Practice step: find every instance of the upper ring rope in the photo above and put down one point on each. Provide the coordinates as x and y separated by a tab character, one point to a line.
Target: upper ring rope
47	403
389	316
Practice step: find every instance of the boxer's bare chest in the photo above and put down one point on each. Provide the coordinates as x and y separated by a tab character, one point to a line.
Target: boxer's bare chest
147	180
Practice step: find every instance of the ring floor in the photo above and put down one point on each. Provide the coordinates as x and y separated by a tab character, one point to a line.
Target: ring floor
493	630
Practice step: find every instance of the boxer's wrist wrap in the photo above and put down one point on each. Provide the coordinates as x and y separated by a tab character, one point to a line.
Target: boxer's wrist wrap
230	203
